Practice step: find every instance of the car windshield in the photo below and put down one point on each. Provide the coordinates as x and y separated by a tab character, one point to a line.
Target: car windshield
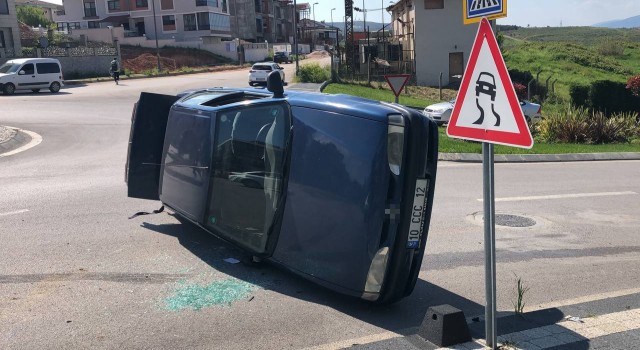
9	68
262	67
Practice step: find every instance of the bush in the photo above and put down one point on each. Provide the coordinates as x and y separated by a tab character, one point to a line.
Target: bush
611	48
633	85
580	95
521	90
313	73
580	125
612	97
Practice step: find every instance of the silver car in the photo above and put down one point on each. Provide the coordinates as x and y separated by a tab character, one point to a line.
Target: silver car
441	112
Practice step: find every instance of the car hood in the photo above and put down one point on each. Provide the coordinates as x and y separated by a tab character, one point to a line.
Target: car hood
441	105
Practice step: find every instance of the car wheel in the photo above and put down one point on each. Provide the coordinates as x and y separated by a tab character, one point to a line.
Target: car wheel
527	119
54	87
251	84
9	89
35	90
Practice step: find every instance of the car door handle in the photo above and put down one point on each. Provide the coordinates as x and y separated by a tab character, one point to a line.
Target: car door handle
33	76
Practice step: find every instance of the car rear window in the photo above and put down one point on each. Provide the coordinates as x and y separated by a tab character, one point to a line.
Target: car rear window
47	68
262	67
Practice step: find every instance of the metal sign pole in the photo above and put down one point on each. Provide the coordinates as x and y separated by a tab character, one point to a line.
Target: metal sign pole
489	244
397	99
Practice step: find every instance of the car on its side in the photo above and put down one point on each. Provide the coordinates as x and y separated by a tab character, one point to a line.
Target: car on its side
31	74
441	112
335	188
260	71
281	57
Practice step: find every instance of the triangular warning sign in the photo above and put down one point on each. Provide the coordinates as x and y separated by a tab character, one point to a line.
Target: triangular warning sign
487	108
397	82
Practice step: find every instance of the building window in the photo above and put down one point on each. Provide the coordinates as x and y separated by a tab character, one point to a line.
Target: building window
433	4
4	7
166	4
142	3
224	6
259	25
169	23
2	43
189	22
75	25
93	24
90	9
257	5
113	5
203	21
211	3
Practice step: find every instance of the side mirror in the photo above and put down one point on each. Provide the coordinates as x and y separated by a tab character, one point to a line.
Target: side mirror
22	72
274	84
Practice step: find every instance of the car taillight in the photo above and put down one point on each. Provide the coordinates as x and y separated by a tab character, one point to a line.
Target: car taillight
539	110
395	142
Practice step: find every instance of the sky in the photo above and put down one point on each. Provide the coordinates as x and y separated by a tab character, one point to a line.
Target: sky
536	13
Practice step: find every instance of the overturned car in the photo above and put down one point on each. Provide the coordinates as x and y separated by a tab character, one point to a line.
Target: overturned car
334	188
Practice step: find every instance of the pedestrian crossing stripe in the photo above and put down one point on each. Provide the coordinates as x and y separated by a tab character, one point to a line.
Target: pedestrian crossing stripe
474	10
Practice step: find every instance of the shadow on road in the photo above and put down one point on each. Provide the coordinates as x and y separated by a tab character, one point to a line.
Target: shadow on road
402	317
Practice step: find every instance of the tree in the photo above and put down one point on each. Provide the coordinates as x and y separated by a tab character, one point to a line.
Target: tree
32	16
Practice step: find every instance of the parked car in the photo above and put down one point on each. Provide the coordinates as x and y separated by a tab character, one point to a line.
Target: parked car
31	74
259	72
334	188
441	112
281	57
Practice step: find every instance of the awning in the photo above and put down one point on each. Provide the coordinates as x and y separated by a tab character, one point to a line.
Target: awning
115	19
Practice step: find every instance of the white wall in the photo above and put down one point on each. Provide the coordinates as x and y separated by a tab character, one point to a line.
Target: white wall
438	33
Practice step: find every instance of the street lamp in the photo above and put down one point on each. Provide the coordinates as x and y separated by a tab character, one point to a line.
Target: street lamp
314	12
332	24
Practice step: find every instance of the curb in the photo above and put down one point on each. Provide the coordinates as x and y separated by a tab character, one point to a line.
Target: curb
538	158
18	140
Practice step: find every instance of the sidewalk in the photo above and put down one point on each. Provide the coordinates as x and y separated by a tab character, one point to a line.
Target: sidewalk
611	323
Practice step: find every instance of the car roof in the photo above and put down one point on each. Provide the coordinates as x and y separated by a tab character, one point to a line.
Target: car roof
37	60
332	103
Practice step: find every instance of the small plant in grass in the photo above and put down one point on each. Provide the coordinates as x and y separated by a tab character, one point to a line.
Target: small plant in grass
521	290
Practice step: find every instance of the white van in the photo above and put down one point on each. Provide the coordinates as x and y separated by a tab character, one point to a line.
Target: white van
31	74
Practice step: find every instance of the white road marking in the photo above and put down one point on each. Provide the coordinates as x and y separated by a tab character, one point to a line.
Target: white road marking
35	140
562	196
584	299
14	212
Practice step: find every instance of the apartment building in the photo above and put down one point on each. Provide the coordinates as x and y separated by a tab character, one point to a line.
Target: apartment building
9	31
180	20
434	33
262	20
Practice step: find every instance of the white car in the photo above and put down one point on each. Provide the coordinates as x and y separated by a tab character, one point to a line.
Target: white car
260	71
441	112
31	74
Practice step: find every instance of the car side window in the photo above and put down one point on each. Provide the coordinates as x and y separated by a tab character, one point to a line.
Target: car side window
28	69
248	172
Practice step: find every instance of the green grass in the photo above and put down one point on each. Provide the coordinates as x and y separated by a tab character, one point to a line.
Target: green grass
377	94
450	145
573	55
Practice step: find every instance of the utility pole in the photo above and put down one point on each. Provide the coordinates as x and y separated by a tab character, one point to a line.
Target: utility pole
295	35
155	33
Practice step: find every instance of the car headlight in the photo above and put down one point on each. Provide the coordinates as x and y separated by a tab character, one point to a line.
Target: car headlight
395	142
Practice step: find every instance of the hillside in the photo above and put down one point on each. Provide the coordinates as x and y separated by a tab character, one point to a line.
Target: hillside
573	55
577	35
631	22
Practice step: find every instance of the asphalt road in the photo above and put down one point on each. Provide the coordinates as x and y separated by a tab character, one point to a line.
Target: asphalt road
76	273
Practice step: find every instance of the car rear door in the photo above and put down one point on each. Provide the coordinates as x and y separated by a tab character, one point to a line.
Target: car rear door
146	140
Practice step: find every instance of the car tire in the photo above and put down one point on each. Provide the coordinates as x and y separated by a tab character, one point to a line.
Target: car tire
9	89
35	91
54	87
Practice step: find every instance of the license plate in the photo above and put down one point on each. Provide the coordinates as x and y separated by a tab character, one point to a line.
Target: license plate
417	213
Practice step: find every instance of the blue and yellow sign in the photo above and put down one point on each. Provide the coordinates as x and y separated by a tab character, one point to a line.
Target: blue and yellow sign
474	10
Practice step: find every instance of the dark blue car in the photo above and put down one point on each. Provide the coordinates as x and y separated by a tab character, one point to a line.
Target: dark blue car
334	188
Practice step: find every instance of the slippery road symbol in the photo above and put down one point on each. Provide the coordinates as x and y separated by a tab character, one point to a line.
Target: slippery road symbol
486	84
